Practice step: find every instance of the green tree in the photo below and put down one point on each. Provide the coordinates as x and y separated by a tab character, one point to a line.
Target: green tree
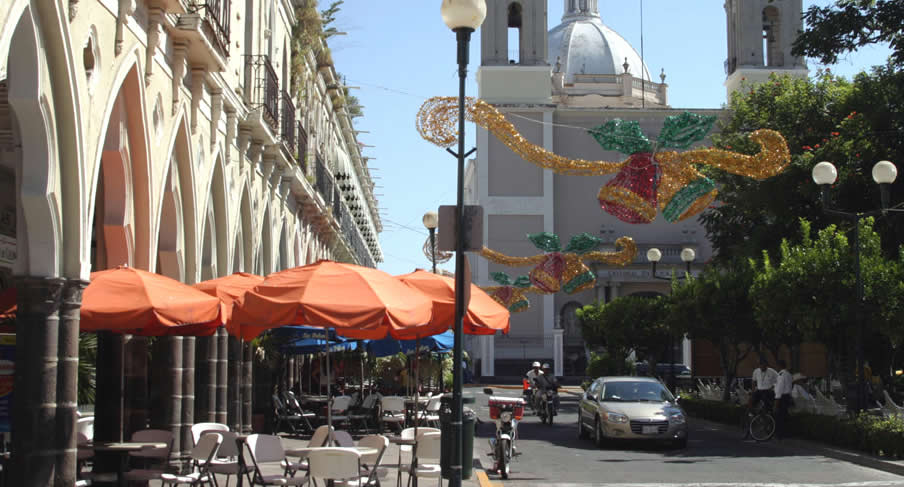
811	293
853	124
849	25
625	324
715	307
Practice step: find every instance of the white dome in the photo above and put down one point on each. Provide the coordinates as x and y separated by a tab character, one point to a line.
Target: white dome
582	44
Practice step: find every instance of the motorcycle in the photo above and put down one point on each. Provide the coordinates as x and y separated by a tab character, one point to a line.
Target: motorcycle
505	412
546	408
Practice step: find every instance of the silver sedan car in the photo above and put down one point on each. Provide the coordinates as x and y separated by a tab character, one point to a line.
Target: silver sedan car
631	408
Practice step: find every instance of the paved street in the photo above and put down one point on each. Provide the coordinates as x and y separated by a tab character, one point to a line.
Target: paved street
714	457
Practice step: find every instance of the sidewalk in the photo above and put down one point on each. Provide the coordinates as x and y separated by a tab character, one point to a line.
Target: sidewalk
858	458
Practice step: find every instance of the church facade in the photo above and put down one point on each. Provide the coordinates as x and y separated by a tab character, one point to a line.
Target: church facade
555	85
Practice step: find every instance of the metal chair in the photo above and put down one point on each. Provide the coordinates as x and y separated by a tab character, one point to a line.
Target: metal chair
370	464
261	450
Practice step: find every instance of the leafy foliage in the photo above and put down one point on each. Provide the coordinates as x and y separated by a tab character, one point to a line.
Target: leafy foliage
854	124
87	365
850	24
625	324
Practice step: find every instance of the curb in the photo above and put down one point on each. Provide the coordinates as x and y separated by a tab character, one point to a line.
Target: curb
857	458
484	481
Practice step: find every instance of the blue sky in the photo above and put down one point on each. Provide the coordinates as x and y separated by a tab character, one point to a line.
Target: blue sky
400	53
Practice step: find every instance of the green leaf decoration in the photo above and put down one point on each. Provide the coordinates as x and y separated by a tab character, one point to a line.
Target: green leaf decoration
623	136
583	243
501	278
522	282
681	131
545	241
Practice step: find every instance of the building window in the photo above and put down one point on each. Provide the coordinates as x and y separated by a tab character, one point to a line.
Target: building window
772	47
514	33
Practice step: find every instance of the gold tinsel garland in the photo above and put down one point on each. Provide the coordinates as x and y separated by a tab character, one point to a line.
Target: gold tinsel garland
681	191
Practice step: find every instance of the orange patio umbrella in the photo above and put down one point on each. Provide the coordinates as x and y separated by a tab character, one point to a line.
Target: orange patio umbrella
358	302
484	316
229	289
127	300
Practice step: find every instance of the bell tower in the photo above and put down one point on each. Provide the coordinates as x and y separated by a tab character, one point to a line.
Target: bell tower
514	65
760	36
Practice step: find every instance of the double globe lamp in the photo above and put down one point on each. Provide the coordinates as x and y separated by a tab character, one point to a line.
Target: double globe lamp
884	174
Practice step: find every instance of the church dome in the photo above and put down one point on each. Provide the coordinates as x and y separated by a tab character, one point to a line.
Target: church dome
583	44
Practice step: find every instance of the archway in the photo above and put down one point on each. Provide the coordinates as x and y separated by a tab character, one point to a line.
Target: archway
265	252
244	250
283	258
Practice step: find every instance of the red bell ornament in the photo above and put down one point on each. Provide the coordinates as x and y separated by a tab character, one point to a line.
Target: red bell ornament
631	195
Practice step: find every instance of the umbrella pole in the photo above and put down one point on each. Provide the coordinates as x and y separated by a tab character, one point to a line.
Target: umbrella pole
329	394
417	360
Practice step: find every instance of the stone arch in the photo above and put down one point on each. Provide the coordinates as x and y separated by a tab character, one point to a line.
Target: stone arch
772	37
282	259
182	155
311	254
245	230
35	227
171	227
122	178
265	256
217	209
209	251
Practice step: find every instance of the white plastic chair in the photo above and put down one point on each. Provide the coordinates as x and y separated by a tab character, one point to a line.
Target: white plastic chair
85	426
159	456
339	408
198	428
392	411
318	439
428	453
431	412
370	463
891	407
227	460
202	454
343	439
332	464
261	450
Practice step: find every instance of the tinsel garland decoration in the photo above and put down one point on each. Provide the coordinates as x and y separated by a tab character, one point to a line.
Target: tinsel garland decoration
680	190
440	256
565	270
509	294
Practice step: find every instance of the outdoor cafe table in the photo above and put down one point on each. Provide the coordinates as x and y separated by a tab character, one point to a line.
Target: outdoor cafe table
303	452
123	449
411	411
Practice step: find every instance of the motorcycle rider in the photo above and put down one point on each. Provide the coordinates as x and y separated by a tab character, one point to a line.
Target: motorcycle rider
531	391
548	381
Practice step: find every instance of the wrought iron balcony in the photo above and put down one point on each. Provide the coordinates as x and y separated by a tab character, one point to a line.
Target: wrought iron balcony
323	181
216	21
287	126
263	87
302	147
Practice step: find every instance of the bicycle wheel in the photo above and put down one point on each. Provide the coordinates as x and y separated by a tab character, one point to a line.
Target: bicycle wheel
762	427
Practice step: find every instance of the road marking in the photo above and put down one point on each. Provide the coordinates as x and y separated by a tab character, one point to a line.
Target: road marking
872	483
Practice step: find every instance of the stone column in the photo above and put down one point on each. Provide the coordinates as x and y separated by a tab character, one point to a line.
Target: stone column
108	408
558	354
290	372
35	381
188	392
167	392
247	388
222	375
67	382
234	413
204	379
136	384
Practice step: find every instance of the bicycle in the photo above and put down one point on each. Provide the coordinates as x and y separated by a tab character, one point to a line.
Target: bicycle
758	422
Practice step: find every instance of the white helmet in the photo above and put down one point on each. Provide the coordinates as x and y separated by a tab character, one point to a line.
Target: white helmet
545	366
535	364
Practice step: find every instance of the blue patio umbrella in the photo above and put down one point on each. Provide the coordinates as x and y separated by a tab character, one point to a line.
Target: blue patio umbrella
388	346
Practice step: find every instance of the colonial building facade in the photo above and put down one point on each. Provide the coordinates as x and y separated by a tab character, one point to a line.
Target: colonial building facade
554	85
166	135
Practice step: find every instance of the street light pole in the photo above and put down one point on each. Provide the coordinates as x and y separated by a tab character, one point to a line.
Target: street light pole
688	255
463	17
431	220
884	173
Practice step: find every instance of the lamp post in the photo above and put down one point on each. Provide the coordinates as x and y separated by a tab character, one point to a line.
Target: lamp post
688	255
884	173
431	220
463	17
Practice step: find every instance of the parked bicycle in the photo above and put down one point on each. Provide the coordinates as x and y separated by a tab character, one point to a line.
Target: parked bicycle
758	422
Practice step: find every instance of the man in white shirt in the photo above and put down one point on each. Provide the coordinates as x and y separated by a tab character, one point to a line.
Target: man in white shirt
764	379
782	399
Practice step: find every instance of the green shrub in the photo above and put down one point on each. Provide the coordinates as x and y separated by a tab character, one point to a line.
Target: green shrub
602	364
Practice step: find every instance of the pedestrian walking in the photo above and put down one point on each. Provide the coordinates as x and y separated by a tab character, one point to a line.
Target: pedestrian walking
782	399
